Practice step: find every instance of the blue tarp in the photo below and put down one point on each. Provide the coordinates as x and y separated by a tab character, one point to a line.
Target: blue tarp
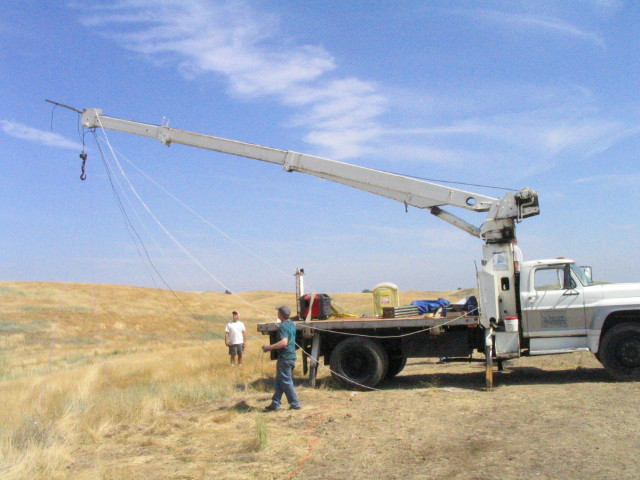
429	306
471	304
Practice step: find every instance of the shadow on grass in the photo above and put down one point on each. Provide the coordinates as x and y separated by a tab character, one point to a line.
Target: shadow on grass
264	384
239	407
510	376
534	376
243	407
473	380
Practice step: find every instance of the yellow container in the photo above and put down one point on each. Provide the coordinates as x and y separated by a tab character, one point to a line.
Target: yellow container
385	295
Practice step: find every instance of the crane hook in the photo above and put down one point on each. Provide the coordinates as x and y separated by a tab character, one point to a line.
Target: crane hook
83	175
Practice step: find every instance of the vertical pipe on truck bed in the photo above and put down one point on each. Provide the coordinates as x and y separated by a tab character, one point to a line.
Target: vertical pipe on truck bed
488	352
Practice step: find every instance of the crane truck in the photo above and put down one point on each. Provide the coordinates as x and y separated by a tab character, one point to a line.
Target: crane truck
547	307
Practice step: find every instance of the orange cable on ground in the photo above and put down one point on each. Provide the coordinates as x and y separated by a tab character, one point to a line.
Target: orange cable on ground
320	419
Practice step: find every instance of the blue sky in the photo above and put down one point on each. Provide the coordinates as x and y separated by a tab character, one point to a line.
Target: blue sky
505	93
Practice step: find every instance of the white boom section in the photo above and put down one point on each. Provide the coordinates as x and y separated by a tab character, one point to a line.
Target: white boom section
411	191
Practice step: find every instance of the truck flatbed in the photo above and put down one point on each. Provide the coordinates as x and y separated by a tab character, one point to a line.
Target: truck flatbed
360	323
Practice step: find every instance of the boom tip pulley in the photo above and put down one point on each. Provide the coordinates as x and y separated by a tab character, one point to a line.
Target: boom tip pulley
58	104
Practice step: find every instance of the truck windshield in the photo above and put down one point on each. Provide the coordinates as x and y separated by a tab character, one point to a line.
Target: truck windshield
578	272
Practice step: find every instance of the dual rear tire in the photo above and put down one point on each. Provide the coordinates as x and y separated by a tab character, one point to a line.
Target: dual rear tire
360	363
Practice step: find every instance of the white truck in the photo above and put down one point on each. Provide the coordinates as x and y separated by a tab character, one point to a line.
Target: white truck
549	307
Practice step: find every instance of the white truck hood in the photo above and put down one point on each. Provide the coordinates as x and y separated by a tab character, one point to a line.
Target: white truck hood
615	290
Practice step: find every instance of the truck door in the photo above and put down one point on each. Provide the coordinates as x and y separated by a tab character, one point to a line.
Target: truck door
553	306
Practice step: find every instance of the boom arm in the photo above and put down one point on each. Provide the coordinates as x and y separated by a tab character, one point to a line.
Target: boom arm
410	191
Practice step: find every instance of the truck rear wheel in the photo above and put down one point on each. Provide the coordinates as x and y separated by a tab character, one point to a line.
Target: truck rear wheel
359	363
620	351
396	364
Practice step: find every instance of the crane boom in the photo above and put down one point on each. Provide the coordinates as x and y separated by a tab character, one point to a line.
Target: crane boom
405	189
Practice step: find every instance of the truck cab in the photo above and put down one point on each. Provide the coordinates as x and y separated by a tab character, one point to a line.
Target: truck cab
564	310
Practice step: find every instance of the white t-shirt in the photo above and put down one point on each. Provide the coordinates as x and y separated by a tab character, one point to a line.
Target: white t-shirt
235	329
517	254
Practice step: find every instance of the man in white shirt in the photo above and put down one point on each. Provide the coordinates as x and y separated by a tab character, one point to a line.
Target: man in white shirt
235	337
517	255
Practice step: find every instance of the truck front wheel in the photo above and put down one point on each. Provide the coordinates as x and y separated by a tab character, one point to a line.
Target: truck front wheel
620	351
358	363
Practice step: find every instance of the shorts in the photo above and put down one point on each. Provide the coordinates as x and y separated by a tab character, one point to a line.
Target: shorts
236	349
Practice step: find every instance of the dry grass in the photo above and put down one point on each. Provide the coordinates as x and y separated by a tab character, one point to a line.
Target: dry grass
94	374
261	433
48	416
108	382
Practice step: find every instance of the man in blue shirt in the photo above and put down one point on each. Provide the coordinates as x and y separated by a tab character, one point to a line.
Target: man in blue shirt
286	346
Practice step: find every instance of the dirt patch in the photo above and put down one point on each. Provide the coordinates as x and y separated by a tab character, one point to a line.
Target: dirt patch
568	420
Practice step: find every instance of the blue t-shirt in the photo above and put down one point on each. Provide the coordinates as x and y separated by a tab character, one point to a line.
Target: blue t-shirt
288	330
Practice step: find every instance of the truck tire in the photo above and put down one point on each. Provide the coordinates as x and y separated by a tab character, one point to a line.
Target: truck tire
396	364
358	363
620	351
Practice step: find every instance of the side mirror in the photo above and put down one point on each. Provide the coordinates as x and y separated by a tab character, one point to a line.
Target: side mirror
587	271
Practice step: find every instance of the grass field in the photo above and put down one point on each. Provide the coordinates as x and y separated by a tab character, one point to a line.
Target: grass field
114	382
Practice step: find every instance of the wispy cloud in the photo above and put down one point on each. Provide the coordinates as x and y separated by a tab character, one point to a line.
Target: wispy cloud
523	143
611	180
34	135
542	24
250	50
